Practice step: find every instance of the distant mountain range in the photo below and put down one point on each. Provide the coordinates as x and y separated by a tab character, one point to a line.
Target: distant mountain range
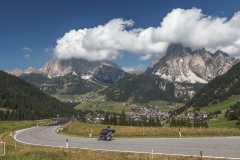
181	64
69	84
99	71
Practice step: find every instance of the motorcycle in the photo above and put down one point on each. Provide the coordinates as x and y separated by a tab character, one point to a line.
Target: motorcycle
104	135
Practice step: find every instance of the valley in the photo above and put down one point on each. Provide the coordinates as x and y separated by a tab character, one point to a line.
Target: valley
95	88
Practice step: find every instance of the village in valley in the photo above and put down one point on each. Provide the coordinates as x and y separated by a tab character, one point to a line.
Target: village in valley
139	113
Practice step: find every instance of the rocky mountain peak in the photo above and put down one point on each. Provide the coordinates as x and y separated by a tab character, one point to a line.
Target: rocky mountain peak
220	53
16	72
180	64
177	50
31	70
102	71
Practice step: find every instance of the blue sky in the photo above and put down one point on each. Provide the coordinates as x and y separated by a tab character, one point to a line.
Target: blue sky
130	33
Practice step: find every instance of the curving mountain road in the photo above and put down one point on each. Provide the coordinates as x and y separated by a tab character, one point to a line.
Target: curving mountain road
210	147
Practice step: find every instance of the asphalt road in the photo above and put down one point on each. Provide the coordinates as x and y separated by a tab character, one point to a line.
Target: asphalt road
228	147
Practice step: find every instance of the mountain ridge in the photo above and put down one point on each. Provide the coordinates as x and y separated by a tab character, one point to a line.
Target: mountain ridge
102	71
181	64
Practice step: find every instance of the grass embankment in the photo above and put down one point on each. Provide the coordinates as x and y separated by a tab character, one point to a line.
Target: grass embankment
83	129
18	151
11	126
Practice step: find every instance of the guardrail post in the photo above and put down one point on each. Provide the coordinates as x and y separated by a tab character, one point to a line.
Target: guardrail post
152	153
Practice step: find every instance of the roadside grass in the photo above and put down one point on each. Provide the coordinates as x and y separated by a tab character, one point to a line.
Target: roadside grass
11	126
50	153
19	151
83	129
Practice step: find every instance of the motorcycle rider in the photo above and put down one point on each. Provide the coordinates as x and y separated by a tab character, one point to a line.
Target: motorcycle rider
108	129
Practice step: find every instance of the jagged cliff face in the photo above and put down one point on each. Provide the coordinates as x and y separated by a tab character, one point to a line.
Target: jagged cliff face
101	71
180	64
16	72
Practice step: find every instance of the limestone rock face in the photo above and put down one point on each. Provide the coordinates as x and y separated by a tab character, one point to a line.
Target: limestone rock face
181	64
102	71
16	72
31	70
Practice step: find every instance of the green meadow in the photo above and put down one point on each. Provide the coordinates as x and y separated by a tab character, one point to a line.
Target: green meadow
103	105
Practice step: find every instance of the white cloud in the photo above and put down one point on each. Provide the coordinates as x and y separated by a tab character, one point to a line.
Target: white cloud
27	49
190	27
145	57
27	55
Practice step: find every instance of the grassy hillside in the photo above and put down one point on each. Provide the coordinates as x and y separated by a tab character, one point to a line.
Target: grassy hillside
110	106
223	105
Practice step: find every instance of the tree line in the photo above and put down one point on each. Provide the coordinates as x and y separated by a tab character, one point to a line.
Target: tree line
233	112
186	122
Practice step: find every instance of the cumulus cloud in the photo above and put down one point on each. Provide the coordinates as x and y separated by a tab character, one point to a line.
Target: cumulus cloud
27	49
27	55
190	27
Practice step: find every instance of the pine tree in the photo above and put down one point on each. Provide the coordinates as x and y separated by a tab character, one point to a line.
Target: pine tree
173	122
7	117
150	121
106	119
158	123
2	115
188	122
111	119
122	118
205	124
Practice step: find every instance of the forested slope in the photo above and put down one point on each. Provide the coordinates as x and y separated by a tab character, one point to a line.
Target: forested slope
141	89
218	89
22	101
